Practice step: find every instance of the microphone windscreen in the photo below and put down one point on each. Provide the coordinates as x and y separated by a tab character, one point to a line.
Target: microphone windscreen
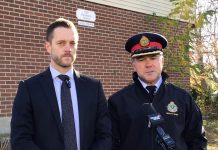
153	118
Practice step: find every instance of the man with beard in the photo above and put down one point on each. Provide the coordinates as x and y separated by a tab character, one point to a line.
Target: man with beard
60	109
136	110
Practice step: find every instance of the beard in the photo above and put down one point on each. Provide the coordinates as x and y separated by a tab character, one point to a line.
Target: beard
60	60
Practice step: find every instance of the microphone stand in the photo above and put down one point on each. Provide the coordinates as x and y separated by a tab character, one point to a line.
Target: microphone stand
162	138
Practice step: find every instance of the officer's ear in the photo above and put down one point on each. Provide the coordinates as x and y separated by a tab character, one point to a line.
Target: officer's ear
162	57
132	60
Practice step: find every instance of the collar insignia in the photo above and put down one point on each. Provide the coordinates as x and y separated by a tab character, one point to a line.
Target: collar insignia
144	41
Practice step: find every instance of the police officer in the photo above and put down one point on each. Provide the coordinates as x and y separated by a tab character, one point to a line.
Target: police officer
182	117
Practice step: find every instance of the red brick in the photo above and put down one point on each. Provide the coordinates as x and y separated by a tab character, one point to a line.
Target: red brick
23	54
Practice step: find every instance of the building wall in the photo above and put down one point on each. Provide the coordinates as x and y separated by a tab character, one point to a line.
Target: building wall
101	51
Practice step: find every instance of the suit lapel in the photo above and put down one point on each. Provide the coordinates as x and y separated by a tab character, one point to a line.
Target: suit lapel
49	89
81	97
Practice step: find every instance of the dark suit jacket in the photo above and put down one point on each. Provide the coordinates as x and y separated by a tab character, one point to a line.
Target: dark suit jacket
36	123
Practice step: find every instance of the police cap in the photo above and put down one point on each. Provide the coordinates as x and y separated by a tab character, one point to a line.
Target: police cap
146	43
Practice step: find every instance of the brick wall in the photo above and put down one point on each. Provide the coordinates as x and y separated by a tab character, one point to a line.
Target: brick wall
101	49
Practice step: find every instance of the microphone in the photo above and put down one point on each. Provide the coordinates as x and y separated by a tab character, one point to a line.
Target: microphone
154	118
68	83
65	79
164	139
154	121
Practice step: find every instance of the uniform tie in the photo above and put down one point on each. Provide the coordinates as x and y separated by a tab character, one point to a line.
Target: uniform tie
67	114
151	89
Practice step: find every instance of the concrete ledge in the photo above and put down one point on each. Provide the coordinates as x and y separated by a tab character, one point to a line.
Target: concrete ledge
4	133
5	126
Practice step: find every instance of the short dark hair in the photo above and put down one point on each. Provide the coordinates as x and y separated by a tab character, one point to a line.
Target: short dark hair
60	22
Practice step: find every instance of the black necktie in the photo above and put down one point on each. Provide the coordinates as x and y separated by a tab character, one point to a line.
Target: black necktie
151	90
67	115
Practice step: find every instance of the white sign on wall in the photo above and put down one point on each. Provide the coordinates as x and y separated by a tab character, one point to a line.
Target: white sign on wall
85	23
85	15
